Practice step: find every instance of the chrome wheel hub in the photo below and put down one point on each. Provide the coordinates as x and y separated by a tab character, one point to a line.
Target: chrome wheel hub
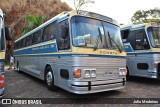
49	78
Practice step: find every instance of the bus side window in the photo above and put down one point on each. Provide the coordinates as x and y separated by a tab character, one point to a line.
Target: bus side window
49	32
24	42
64	43
27	41
20	44
131	39
124	34
15	46
30	39
141	40
37	37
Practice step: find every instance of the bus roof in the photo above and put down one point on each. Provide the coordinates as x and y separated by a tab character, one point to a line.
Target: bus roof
136	26
133	26
64	15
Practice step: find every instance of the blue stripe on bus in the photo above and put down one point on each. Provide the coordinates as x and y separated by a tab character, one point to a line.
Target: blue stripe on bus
39	49
144	53
72	55
2	60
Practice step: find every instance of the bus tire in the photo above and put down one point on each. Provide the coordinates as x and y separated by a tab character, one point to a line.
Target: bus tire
49	79
127	75
18	67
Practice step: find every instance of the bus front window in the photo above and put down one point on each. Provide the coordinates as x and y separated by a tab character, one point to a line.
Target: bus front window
154	36
88	32
2	46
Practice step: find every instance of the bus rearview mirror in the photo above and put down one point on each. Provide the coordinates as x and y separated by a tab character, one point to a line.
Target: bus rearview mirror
8	33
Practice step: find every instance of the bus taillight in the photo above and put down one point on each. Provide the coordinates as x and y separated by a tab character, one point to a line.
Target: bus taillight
155	65
1	81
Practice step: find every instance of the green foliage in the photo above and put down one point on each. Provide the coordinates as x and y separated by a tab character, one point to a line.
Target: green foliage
79	3
32	22
152	15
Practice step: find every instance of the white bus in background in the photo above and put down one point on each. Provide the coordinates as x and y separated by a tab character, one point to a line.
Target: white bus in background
142	44
4	33
80	52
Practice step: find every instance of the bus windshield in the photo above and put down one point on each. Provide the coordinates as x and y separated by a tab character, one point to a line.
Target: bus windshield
88	32
154	35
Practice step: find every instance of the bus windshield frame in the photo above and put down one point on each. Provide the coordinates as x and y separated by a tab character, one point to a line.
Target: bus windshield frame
154	36
90	33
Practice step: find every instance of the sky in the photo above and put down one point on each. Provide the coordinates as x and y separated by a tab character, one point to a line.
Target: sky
120	10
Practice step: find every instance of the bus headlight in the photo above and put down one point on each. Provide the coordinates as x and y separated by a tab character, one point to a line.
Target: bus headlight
93	73
87	74
90	73
122	71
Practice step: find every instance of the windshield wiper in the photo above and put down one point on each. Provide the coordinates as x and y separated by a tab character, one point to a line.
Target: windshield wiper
98	39
111	39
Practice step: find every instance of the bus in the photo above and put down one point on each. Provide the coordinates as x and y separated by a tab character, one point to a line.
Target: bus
78	51
4	33
142	44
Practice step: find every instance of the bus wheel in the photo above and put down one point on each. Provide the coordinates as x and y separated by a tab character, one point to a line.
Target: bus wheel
18	67
127	74
49	79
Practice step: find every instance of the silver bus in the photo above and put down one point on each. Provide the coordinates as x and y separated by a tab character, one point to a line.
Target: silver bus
4	33
142	44
80	52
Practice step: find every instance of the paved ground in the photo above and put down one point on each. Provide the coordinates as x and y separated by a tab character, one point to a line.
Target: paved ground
22	85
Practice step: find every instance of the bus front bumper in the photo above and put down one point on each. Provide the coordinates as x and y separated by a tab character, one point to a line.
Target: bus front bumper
86	87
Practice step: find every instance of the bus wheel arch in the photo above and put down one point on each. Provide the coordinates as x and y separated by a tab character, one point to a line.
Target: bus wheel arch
49	78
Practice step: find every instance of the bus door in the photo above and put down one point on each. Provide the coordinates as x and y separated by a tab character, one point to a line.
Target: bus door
128	38
63	44
142	57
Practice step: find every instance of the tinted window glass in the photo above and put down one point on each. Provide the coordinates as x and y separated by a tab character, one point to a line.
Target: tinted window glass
141	40
49	32
23	42
131	39
63	43
36	37
124	35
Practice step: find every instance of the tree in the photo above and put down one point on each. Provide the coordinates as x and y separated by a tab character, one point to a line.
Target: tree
79	3
152	15
32	22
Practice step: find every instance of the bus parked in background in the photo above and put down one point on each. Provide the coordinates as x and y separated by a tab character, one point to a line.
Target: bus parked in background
4	33
80	52
142	44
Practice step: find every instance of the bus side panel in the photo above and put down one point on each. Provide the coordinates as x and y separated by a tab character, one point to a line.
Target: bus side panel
131	64
141	65
35	65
